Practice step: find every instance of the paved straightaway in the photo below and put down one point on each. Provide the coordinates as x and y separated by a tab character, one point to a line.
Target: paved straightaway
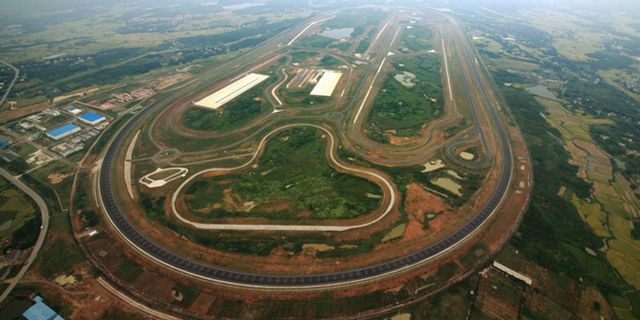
364	101
44	212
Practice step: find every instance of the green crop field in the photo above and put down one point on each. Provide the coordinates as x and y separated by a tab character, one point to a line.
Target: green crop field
291	180
15	208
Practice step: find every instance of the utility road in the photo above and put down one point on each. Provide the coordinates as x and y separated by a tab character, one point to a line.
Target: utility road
44	212
13	82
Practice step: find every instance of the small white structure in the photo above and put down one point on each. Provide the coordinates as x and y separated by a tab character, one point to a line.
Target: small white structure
161	177
75	110
467	156
232	91
327	83
512	272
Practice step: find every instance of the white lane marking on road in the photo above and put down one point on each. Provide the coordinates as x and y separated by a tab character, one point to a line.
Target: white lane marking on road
127	164
369	91
305	29
446	67
381	31
273	91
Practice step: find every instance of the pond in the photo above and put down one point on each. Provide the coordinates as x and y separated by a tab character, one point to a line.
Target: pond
337	34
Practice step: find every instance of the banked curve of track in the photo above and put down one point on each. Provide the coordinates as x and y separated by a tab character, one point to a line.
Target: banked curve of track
283	281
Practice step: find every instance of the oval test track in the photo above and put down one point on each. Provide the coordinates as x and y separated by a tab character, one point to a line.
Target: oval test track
232	278
283	281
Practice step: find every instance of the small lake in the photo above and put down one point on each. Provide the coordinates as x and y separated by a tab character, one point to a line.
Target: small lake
542	91
337	34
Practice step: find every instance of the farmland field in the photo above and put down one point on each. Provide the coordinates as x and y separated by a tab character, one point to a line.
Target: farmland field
16	209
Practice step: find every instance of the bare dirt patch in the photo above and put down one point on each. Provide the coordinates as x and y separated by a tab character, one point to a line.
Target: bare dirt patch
278	206
398	141
419	201
414	230
57	177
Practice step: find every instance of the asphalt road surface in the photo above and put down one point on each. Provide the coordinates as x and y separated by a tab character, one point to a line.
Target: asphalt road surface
44	212
13	82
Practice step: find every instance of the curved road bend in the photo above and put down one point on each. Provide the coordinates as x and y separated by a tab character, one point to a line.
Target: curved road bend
44	212
13	82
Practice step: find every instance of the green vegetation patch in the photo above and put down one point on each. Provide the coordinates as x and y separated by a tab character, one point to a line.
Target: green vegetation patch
296	97
128	270
235	113
359	20
16	209
556	246
292	180
315	41
404	109
57	259
417	38
302	56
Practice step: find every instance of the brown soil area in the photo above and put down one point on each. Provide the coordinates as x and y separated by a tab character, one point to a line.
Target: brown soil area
398	141
9	115
57	177
438	222
419	202
279	206
148	283
587	300
413	230
86	300
202	304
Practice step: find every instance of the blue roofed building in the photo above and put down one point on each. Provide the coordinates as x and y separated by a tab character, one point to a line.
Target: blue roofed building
91	118
63	131
41	311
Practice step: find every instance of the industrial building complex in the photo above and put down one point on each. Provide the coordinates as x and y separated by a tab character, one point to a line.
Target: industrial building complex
63	131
